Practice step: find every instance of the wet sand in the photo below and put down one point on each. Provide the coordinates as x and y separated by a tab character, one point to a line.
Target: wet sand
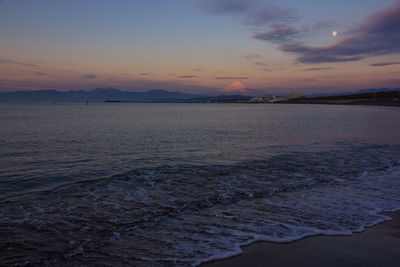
376	246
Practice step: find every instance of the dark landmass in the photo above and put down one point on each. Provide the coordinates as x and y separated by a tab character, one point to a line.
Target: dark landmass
386	98
376	246
112	95
382	97
203	99
372	90
96	95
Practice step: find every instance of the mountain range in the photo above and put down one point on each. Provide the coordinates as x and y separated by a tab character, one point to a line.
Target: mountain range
96	95
112	94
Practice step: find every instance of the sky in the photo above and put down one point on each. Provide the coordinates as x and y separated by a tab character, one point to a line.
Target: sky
200	46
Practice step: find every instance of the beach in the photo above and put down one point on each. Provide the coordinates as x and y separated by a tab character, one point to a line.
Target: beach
376	246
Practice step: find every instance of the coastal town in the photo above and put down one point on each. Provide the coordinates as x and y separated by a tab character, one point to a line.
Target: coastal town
269	98
275	98
389	98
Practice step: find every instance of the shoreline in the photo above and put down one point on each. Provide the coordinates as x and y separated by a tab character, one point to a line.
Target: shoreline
338	103
377	245
356	103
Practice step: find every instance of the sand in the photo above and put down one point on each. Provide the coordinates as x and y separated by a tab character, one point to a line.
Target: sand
376	246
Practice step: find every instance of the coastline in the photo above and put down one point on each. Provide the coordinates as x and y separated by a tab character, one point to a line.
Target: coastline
299	102
377	245
352	103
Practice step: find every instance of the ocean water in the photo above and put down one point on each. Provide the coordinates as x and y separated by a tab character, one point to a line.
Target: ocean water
181	184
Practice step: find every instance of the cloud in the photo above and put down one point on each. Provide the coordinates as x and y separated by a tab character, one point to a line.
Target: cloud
253	56
250	12
278	34
89	76
144	74
320	68
40	73
259	14
187	76
334	53
198	70
225	6
231	78
384	64
258	63
8	61
236	87
285	33
309	80
317	25
379	34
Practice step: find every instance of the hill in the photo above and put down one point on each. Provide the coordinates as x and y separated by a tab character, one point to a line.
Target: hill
96	95
385	98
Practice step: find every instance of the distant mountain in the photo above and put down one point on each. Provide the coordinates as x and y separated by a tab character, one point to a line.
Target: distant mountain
96	95
372	90
112	94
220	98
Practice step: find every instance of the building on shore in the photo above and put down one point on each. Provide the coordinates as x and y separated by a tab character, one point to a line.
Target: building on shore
269	98
277	98
294	95
258	100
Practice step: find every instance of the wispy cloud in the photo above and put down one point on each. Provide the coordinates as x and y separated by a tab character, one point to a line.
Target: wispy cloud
12	62
309	80
187	76
253	56
198	70
284	33
225	6
379	34
318	69
250	12
278	34
384	64
40	73
89	76
258	63
231	78
144	74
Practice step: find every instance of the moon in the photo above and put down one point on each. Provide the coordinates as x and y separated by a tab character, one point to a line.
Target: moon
335	33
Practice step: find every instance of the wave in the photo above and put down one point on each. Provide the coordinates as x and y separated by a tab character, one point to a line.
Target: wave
186	215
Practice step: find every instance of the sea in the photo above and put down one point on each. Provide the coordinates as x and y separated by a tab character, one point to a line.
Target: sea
170	184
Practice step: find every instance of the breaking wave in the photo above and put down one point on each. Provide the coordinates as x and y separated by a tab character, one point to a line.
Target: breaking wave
186	215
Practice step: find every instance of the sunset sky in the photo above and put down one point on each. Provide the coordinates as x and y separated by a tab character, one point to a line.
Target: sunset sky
200	46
